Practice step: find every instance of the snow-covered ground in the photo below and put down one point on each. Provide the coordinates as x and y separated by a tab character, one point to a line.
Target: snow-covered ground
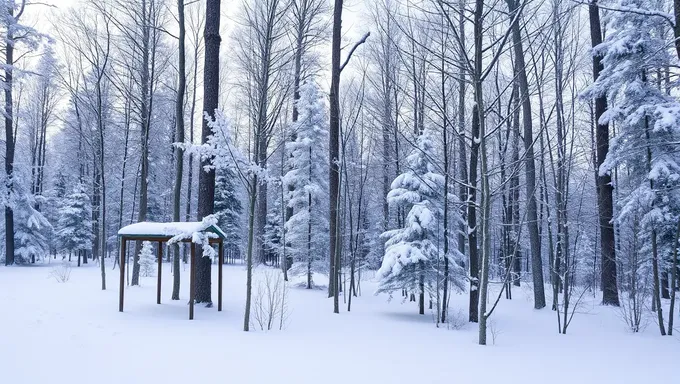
72	332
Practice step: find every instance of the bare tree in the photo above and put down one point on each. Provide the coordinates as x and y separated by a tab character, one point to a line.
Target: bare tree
530	167
334	151
179	137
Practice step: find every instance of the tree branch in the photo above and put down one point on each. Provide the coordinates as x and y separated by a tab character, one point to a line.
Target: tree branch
356	45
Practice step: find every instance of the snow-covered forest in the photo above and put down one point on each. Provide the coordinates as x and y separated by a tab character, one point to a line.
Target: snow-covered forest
490	170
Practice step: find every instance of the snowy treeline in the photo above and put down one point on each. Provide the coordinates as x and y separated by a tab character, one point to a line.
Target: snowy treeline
467	142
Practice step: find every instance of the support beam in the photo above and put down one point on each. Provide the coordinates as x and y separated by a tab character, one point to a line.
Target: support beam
160	272
219	275
121	294
192	281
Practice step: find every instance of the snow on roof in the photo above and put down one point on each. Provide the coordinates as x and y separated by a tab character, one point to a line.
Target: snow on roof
148	228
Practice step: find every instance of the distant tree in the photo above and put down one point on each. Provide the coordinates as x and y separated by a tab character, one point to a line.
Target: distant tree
74	228
273	233
147	259
42	106
54	198
307	185
228	209
31	230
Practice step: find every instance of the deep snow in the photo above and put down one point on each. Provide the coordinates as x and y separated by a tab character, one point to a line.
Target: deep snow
72	332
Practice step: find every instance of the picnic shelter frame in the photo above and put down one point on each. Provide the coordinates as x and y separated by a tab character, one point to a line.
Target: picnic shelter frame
162	233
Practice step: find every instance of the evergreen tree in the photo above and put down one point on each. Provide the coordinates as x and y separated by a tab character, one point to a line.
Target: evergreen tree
54	199
635	56
147	259
228	209
31	230
413	254
273	233
306	182
74	228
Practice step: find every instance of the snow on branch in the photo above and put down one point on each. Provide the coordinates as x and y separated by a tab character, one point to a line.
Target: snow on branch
354	48
639	11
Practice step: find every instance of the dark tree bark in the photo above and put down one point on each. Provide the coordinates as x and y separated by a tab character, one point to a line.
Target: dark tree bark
206	180
179	137
447	169
530	165
676	27
334	151
605	201
9	135
674	280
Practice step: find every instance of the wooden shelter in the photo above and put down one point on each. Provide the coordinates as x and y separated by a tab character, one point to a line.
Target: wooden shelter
187	232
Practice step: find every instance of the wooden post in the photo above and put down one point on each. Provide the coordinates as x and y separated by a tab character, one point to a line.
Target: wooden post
192	283
219	275
160	272
121	293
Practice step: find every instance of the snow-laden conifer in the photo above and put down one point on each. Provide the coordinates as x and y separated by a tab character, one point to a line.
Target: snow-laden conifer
228	208
413	253
147	260
31	230
636	56
306	182
74	228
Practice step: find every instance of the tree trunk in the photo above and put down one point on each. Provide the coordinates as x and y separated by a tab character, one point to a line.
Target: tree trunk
249	252
334	149
676	27
9	141
605	201
445	132
472	218
102	170
480	138
462	156
206	180
530	165
656	298
179	137
190	166
674	280
145	125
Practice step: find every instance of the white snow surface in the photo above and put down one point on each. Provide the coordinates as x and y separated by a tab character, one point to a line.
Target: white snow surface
166	229
73	333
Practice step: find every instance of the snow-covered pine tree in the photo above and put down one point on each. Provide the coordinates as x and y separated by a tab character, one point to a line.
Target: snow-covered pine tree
31	230
635	57
273	233
413	256
74	227
147	260
228	209
306	182
55	198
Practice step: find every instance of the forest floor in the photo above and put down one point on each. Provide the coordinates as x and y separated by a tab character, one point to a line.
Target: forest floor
72	332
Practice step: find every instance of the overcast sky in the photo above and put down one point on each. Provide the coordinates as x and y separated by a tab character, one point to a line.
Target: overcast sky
43	14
